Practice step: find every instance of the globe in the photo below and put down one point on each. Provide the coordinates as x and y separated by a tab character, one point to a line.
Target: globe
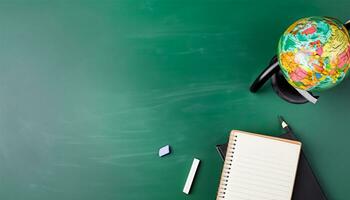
314	53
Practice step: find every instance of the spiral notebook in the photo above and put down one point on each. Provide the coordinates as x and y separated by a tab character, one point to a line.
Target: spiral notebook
306	185
258	167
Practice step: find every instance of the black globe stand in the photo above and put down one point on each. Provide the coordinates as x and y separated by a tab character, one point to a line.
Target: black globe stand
284	90
347	25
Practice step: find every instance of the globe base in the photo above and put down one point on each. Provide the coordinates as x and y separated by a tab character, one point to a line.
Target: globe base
284	90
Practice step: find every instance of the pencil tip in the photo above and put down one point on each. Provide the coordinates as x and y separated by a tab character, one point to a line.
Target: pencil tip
283	123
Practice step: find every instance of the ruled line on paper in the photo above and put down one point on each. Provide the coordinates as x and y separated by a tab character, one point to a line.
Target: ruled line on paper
267	162
265	184
250	194
263	193
246	165
261	175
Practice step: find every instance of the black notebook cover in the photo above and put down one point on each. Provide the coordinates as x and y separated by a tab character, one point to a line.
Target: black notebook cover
306	186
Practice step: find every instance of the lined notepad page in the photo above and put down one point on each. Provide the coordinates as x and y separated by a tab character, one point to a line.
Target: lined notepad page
259	167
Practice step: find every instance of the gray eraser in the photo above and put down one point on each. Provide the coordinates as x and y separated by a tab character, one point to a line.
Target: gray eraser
164	151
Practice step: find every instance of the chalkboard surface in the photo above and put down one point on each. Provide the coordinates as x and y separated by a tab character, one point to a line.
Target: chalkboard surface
90	90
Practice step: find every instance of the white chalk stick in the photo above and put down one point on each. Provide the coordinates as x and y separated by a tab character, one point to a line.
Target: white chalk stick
191	176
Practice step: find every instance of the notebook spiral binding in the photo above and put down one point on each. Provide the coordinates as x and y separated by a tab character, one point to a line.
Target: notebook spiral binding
227	167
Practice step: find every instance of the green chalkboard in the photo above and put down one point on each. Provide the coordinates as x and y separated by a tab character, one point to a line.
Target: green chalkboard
89	90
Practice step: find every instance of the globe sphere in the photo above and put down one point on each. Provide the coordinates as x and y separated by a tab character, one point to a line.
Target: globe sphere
314	53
